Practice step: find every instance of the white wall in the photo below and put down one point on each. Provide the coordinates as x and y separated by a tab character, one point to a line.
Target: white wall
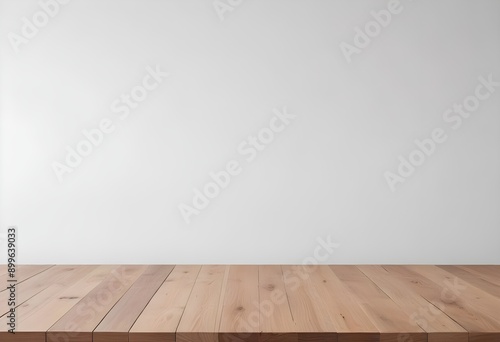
323	175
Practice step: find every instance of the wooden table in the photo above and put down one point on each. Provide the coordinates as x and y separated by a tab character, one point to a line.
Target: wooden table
152	303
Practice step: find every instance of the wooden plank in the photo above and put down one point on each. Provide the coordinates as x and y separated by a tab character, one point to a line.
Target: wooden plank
117	323
240	313
78	323
159	320
307	308
276	321
32	318
35	284
470	277
257	304
201	318
23	272
223	292
472	308
351	322
43	316
488	303
489	273
386	315
41	311
462	292
439	327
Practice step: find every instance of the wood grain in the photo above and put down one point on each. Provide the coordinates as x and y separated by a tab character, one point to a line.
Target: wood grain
474	279
309	311
276	321
438	326
200	319
118	321
350	321
23	272
35	315
240	316
267	303
457	297
78	323
37	283
160	318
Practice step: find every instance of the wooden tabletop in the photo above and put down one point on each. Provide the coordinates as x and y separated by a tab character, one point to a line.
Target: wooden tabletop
206	303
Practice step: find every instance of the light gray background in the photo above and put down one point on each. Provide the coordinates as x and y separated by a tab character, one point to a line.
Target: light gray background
322	176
